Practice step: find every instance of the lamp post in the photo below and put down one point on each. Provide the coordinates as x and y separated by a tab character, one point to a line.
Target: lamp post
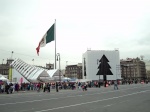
58	59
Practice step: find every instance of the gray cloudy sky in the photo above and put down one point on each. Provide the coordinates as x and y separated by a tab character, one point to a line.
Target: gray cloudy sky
80	24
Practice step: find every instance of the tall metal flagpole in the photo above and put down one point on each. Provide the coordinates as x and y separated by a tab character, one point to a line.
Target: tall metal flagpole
55	42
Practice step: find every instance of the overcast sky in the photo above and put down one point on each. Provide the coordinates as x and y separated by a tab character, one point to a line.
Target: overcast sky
80	24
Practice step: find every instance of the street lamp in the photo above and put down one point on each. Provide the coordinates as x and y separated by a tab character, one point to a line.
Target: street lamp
58	59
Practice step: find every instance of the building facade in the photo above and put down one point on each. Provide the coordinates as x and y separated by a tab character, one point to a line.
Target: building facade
49	66
91	62
74	71
133	69
4	67
147	64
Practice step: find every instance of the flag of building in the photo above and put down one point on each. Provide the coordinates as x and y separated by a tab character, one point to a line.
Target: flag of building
48	37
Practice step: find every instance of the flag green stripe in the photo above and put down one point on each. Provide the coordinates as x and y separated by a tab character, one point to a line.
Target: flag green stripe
50	34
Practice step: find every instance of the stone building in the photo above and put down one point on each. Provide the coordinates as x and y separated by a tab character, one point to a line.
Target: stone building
147	64
133	69
49	66
74	71
4	67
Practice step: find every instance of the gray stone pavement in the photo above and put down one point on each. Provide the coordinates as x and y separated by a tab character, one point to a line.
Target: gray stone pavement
129	98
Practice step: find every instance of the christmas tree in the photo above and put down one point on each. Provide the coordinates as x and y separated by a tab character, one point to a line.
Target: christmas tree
104	68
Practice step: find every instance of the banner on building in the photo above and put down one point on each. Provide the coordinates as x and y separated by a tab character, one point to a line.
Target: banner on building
10	74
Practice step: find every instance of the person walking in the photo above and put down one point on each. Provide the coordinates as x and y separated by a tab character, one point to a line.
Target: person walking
38	87
44	87
56	87
85	86
48	87
2	88
115	85
99	84
79	85
7	88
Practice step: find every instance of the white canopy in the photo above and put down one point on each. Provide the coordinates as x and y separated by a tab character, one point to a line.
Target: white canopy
52	72
3	78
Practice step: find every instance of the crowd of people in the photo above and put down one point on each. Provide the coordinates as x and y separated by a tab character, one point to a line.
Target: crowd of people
46	87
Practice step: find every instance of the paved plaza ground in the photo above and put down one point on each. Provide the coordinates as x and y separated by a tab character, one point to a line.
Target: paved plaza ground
129	98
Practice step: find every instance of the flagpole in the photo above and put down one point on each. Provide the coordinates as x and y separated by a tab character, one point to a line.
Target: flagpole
55	42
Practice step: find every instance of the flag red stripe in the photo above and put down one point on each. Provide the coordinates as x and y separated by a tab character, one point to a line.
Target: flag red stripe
38	49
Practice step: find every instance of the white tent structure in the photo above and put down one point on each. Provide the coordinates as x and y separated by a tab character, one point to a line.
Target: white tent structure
41	75
55	74
24	72
52	72
28	73
2	78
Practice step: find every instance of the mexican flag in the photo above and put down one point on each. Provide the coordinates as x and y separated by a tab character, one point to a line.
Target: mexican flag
48	37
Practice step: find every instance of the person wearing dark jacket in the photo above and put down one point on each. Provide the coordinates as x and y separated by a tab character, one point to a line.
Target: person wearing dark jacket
11	88
56	87
7	88
17	87
48	87
99	84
